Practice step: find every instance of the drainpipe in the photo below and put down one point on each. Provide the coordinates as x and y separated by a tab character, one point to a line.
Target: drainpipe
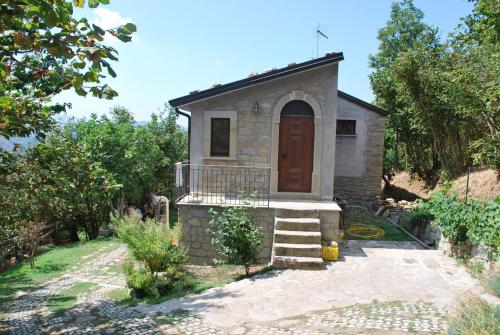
189	131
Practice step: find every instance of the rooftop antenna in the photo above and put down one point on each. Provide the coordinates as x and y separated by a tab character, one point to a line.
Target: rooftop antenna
319	34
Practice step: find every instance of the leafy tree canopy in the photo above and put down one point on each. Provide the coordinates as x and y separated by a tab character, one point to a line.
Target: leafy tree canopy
45	49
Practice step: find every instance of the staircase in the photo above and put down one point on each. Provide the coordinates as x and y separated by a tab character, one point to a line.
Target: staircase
297	243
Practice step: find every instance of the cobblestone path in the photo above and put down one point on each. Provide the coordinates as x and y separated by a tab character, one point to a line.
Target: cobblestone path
95	313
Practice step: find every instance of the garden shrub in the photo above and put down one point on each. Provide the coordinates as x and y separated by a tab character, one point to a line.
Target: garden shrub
156	252
475	222
472	315
153	243
236	235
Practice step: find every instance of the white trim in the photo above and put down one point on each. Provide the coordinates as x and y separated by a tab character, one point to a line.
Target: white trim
315	178
233	128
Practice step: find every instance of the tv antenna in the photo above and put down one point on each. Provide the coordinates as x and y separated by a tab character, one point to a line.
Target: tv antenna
319	34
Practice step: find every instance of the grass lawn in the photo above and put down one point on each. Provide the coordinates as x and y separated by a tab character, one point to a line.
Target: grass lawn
391	233
199	278
66	299
50	265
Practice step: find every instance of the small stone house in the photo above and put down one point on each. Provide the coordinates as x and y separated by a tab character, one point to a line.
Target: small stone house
293	141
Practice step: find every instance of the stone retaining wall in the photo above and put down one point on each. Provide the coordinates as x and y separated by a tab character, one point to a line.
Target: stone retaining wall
196	238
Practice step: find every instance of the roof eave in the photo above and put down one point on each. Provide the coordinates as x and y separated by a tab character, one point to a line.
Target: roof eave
363	103
256	80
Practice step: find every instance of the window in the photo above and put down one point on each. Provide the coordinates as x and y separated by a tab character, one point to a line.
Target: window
219	137
346	127
297	108
220	134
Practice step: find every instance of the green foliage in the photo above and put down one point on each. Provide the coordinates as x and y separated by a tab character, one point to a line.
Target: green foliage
494	283
44	50
153	243
236	235
82	172
442	96
158	259
475	221
141	158
472	315
139	279
72	190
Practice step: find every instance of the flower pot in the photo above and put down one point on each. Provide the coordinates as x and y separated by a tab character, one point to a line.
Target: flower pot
138	293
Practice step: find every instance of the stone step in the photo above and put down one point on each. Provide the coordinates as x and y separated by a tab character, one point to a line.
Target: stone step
304	263
297	224
296	213
298	250
297	237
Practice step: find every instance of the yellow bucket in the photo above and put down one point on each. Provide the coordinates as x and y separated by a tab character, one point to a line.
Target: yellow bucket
330	252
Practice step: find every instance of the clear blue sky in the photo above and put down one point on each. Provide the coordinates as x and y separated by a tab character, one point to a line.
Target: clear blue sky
185	45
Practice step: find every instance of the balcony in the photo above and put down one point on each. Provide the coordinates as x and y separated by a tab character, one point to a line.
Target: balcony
221	184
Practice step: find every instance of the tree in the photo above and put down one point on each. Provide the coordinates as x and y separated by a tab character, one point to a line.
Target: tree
45	49
404	31
476	75
141	158
442	97
58	183
30	235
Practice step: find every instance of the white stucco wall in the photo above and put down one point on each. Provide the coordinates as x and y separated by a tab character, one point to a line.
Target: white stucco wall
359	158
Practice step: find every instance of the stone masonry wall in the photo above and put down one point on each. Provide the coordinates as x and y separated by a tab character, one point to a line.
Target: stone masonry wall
195	236
254	130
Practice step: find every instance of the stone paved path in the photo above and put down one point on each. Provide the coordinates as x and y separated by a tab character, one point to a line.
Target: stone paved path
378	288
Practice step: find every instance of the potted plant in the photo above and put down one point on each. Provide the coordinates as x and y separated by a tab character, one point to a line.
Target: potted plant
63	237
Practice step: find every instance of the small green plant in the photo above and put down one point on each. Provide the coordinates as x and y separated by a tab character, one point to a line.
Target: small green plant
153	243
476	267
156	253
475	221
472	315
494	282
420	215
236	235
139	279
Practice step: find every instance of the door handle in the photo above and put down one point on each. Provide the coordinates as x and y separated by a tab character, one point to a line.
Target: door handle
283	156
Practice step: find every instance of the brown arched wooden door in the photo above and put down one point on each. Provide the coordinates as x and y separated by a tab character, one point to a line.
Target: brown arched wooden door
296	147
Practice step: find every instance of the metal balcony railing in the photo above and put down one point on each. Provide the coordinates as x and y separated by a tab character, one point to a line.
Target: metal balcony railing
221	184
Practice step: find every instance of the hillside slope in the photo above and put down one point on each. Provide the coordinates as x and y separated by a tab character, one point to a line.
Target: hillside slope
483	184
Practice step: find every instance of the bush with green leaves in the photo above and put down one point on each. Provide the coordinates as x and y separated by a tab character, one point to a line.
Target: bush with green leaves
475	221
137	278
236	235
155	244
